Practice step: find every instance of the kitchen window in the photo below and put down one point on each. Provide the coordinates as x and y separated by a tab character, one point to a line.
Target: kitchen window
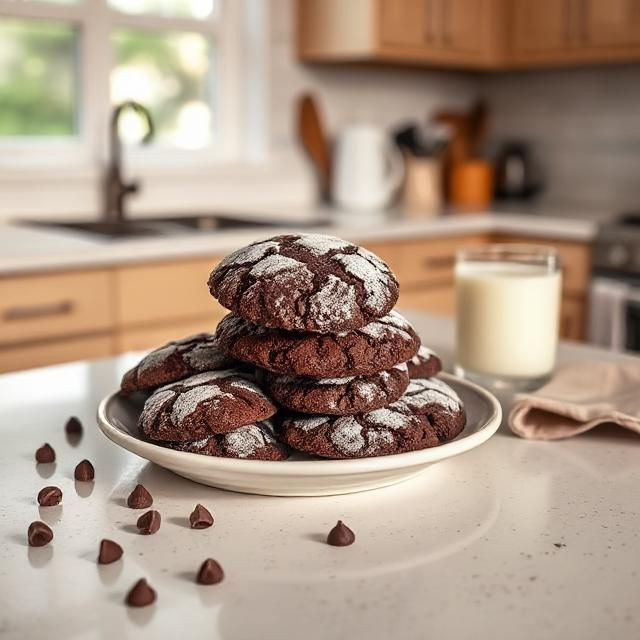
65	63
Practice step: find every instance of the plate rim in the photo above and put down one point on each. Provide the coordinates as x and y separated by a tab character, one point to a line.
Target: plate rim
305	467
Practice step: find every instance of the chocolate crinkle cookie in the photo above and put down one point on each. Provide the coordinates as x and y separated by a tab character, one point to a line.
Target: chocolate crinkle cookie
202	405
251	442
337	396
176	360
305	283
425	364
377	346
430	413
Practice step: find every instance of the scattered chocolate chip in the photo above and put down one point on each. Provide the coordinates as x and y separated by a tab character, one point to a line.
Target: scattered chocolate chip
200	518
139	498
110	551
210	572
149	522
39	534
73	427
559	544
341	535
141	594
84	471
45	453
49	497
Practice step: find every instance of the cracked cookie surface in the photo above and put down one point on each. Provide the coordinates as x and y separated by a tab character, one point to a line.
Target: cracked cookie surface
430	413
305	283
337	396
251	442
377	346
424	364
176	360
202	405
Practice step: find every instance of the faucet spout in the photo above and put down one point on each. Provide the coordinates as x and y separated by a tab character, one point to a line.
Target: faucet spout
116	189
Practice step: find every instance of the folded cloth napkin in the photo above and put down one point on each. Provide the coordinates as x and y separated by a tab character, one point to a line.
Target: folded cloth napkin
580	396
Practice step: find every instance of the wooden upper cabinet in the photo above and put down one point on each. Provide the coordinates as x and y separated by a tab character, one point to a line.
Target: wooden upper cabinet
404	22
539	25
469	34
610	23
460	33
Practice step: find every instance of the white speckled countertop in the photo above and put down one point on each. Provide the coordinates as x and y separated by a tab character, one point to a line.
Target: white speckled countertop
29	249
468	550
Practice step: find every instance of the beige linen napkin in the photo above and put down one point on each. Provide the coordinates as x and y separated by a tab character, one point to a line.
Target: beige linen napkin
580	396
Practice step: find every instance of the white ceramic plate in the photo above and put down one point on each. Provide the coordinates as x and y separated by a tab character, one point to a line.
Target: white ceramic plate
300	476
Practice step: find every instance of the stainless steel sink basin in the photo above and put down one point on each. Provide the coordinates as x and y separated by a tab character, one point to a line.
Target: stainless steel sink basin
168	226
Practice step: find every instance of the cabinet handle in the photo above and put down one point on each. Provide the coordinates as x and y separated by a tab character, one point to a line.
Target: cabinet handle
61	308
439	262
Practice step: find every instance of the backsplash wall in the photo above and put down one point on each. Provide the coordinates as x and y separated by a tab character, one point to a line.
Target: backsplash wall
585	128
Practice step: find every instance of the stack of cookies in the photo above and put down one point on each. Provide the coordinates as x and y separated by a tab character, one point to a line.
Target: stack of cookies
202	401
314	314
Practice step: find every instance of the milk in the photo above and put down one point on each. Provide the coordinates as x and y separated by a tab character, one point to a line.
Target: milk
507	318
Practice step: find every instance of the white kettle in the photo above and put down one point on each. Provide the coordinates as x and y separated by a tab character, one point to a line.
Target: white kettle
368	169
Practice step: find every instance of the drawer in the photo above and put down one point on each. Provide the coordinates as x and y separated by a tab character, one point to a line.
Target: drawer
64	304
424	262
42	354
165	292
152	336
574	256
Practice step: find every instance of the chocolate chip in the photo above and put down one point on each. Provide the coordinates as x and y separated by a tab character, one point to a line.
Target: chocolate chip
200	518
139	498
341	535
141	594
39	534
210	572
45	453
73	427
84	471
49	497
110	551
149	522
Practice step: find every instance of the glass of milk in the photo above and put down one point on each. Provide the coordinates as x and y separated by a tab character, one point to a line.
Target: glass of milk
508	308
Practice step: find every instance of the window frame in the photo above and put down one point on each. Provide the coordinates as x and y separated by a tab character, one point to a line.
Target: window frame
95	20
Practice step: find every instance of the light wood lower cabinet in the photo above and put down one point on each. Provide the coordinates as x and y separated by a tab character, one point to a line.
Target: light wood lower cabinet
42	354
152	336
46	319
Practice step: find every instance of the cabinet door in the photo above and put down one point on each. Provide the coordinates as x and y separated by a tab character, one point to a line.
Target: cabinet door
463	25
407	23
610	23
540	25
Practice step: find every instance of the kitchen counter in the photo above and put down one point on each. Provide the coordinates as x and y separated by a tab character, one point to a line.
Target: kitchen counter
29	249
515	539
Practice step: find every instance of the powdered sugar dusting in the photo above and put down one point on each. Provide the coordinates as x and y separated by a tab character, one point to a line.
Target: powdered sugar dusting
187	402
274	264
334	381
207	376
375	282
245	441
206	356
335	302
246	384
156	358
422	392
367	390
154	404
389	418
319	244
346	435
250	253
378	439
393	322
307	424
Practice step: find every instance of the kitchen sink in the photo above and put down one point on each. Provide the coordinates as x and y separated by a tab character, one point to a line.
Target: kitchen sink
170	225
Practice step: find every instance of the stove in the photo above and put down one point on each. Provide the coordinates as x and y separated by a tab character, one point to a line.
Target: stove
614	305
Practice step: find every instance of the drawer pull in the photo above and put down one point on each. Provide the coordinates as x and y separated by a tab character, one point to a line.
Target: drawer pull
439	262
38	311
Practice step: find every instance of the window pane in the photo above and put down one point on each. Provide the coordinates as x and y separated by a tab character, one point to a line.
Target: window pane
199	9
170	74
38	83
